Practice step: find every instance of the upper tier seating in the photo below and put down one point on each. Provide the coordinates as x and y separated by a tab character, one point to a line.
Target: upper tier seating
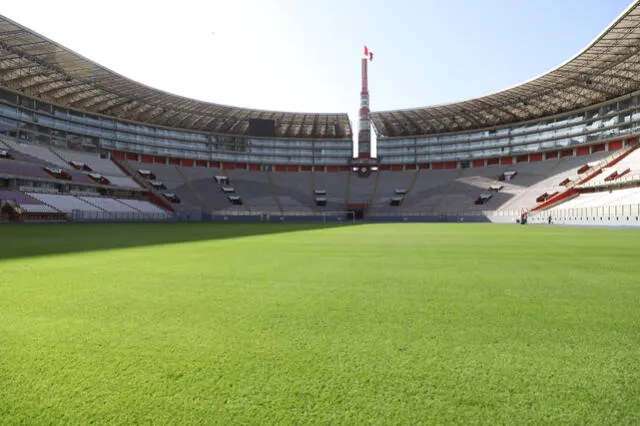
40	152
123	181
97	164
19	168
165	173
32	159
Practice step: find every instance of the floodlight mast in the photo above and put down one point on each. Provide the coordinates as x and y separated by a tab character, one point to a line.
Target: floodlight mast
363	164
364	123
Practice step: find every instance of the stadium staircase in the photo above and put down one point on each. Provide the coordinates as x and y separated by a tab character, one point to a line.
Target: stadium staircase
416	176
94	205
230	180
58	155
36	201
274	193
447	191
517	198
346	191
312	191
194	191
154	197
372	199
573	190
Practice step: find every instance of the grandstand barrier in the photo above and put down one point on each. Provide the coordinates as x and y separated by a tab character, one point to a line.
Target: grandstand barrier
624	215
101	216
340	217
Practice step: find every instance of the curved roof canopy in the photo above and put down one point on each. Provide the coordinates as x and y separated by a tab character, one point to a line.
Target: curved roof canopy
609	67
41	68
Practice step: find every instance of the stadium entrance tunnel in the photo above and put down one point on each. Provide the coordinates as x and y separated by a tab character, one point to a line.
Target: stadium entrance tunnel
42	239
356	211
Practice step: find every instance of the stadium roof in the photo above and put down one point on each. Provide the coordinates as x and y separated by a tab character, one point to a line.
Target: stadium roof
607	68
41	68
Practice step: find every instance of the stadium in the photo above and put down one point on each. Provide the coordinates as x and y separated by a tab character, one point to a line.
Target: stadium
170	260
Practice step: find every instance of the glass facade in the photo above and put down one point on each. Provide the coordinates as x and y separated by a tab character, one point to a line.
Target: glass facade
29	119
618	118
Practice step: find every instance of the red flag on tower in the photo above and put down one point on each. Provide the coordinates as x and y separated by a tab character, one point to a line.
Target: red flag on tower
368	53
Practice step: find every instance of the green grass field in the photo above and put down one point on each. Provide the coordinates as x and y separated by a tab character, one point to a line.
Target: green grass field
302	324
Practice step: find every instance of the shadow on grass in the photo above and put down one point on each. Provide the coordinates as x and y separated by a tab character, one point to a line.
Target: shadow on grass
27	240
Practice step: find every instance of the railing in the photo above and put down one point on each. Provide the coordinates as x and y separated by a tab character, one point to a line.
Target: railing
39	189
325	217
259	212
91	216
612	215
487	213
623	181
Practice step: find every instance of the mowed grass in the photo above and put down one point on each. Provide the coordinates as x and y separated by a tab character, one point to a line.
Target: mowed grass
298	324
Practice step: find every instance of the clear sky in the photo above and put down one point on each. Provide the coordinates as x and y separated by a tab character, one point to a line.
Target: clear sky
302	55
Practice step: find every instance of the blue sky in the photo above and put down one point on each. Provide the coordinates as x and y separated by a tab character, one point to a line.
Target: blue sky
297	55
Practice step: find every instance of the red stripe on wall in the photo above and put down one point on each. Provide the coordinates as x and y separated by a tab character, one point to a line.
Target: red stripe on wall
582	150
615	145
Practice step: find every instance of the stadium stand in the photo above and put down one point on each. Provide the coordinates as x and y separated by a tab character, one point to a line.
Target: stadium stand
362	190
388	183
123	181
546	177
110	205
42	153
97	164
23	169
30	204
548	143
256	190
142	206
335	185
293	191
64	203
602	198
